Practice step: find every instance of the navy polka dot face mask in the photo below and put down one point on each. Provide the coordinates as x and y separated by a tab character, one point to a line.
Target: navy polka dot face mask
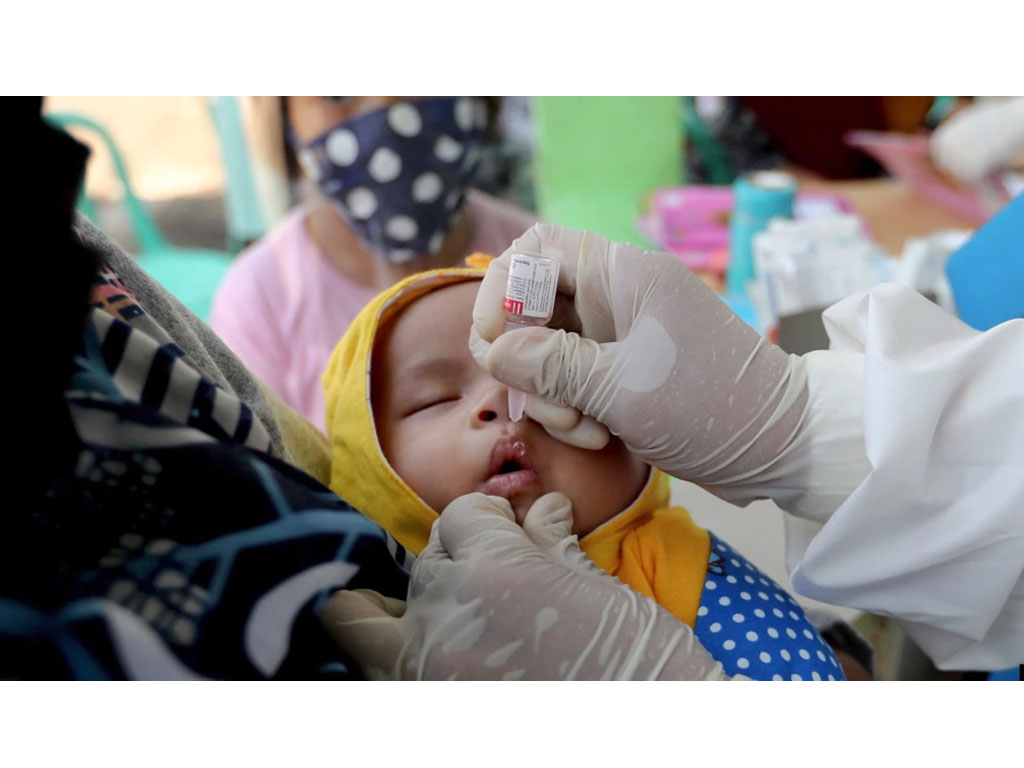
399	174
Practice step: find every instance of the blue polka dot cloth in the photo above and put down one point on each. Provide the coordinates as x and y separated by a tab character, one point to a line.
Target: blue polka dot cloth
754	628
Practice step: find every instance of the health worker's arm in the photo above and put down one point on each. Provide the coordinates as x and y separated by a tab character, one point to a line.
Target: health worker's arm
913	476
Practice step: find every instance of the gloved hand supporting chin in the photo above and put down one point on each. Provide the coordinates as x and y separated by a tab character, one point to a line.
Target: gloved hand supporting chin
490	600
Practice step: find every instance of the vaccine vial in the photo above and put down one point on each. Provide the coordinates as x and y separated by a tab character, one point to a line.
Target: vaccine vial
529	302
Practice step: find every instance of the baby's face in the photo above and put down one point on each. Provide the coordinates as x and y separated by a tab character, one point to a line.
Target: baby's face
443	423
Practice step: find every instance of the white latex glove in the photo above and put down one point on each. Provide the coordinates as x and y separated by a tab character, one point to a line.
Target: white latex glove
653	354
979	140
491	600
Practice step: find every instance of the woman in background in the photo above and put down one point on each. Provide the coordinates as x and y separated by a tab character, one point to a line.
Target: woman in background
388	195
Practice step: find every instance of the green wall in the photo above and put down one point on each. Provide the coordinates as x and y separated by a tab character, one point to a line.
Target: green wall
598	157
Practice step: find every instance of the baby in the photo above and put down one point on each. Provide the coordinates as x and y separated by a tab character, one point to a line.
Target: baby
414	423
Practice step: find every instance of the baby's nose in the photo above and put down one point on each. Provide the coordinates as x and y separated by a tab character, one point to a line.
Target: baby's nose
493	404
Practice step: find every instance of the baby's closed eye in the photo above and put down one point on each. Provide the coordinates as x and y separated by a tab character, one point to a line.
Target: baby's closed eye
431	402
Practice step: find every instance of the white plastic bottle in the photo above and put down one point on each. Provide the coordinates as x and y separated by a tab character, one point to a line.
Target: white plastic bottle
529	302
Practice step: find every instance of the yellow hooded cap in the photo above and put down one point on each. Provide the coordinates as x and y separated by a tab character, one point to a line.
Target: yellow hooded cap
359	472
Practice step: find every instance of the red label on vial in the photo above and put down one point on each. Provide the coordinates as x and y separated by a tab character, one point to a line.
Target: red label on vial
513	306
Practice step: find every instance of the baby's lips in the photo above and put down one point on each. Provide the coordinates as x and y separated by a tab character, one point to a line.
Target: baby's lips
510	484
522	454
508	448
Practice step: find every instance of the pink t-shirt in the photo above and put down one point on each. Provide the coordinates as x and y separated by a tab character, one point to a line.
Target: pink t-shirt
282	307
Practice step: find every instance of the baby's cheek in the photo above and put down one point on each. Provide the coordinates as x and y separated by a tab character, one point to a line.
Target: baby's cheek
409	460
588	513
436	473
521	505
574	485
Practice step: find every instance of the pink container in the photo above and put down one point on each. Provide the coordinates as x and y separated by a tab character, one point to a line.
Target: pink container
693	222
908	159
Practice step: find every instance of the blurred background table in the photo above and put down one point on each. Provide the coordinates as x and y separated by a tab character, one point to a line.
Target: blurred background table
891	209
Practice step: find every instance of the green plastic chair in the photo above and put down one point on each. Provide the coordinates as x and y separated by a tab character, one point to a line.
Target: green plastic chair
190	274
242	208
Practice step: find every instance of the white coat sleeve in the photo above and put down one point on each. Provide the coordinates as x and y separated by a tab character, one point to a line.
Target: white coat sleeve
913	500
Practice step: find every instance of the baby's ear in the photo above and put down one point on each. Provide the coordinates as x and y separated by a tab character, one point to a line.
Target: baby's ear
478	260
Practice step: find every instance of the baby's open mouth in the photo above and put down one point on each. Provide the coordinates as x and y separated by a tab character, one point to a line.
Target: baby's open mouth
510	470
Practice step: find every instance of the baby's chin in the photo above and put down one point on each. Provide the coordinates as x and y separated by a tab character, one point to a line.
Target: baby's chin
521	504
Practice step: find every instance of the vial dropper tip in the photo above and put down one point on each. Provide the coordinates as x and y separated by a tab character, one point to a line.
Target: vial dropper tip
516	404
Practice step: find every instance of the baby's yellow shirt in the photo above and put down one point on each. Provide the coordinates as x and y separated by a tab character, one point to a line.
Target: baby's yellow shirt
656	549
